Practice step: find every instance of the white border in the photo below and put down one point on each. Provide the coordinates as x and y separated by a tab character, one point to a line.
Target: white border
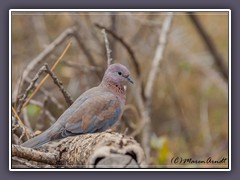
123	10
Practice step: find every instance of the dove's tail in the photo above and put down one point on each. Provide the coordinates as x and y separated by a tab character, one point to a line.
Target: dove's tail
37	141
45	137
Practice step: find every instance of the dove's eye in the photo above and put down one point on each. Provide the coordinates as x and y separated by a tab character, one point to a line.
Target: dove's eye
119	73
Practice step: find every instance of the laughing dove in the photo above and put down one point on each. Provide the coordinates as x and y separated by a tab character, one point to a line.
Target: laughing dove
94	111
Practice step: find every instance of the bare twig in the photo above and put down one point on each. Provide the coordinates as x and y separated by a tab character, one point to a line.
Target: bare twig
45	78
127	47
21	123
50	97
151	79
17	130
31	86
33	155
47	51
210	45
158	56
59	84
24	162
108	50
132	55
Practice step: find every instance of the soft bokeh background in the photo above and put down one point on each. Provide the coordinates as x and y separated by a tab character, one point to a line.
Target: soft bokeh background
189	112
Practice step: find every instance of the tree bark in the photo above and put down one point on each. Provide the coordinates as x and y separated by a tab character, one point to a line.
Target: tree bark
98	150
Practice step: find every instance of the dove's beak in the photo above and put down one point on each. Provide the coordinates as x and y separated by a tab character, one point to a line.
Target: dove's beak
130	80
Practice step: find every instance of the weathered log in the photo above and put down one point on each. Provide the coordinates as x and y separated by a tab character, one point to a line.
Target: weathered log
98	150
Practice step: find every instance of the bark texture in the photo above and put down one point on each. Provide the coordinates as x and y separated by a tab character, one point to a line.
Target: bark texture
98	150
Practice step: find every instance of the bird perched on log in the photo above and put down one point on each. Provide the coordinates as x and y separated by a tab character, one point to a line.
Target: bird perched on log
95	110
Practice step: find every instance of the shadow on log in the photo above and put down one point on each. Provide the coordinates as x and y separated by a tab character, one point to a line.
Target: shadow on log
98	150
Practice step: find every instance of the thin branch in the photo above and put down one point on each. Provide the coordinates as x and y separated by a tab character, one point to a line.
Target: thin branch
31	86
47	52
21	123
210	45
132	55
24	163
17	131
127	47
108	50
33	155
158	56
50	97
45	78
59	84
151	79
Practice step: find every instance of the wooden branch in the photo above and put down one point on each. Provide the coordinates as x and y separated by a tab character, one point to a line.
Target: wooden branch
56	81
24	132
98	150
109	59
33	155
139	96
163	33
22	163
45	78
210	45
30	87
47	52
127	47
49	49
48	95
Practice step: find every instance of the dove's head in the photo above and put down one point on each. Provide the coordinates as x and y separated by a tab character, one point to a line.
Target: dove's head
117	74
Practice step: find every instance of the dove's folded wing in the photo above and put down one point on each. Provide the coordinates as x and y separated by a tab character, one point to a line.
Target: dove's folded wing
95	114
